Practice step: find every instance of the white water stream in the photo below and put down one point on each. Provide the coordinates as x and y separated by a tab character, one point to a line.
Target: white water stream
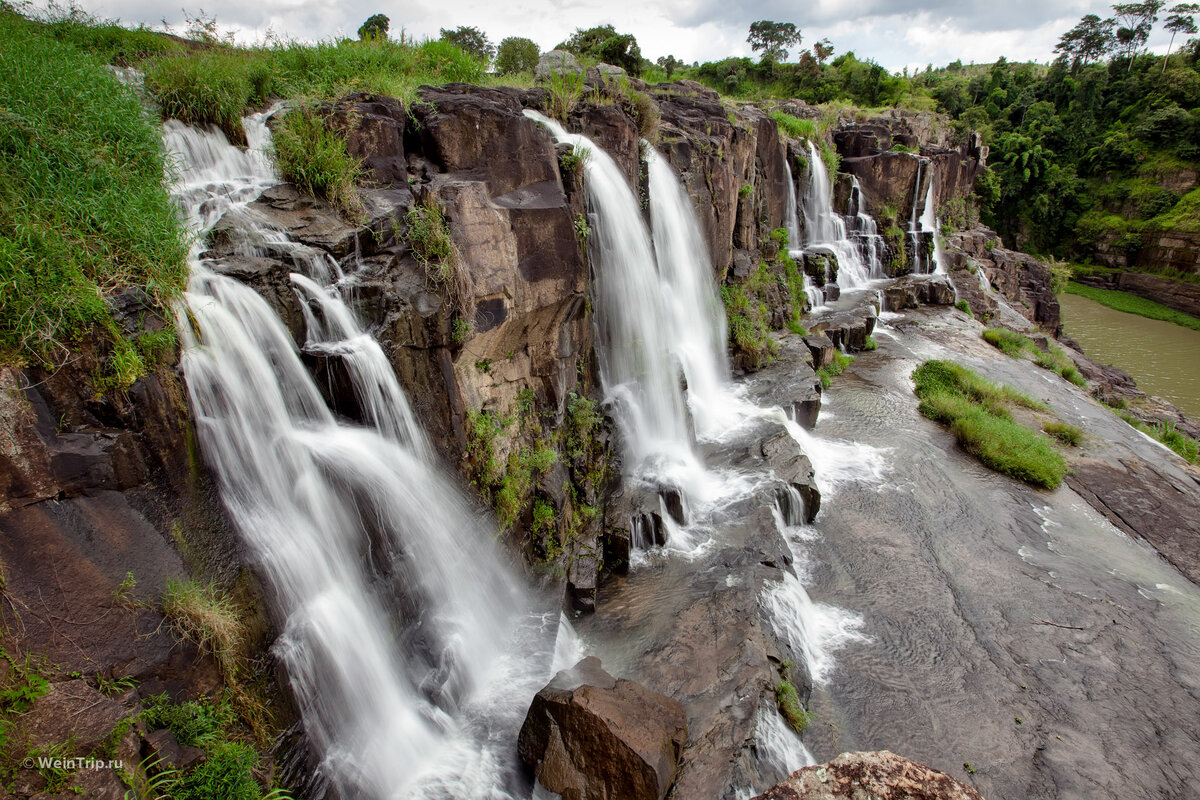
826	230
411	648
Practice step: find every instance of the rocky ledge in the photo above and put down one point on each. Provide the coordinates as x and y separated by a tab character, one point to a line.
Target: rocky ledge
881	775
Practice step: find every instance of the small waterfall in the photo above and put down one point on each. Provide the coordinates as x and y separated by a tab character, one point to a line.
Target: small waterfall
930	224
410	647
826	230
865	232
815	294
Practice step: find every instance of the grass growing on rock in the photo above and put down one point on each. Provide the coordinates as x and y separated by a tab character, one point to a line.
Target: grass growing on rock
200	612
787	699
1132	304
977	411
314	158
1165	432
83	209
834	368
1018	345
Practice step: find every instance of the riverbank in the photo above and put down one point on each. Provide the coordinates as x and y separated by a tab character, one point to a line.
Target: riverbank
1133	304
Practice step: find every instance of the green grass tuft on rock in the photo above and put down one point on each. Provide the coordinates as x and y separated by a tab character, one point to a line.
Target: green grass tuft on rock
314	158
1018	345
976	410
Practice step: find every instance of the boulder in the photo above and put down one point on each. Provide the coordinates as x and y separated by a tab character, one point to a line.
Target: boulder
880	775
556	61
590	736
926	290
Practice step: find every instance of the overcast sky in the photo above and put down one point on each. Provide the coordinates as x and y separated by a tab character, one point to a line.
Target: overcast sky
895	33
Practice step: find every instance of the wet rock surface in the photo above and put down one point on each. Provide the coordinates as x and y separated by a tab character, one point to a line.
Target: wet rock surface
879	776
1018	640
590	736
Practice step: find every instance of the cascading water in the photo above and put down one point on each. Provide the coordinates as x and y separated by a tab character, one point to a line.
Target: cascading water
815	294
929	224
407	641
826	230
864	231
644	340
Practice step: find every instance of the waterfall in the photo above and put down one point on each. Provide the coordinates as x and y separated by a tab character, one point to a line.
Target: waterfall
407	641
865	232
641	337
930	224
826	230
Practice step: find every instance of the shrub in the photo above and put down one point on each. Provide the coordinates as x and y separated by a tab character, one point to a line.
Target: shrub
516	54
965	307
314	158
976	411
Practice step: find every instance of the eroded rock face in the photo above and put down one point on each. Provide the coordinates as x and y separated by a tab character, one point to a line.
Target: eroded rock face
881	775
590	736
932	290
1026	282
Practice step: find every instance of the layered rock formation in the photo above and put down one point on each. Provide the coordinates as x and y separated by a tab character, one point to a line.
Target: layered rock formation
880	775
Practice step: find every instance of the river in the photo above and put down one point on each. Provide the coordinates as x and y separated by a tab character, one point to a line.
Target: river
1161	356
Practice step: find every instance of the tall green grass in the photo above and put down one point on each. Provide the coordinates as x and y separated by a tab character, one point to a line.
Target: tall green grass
1132	304
314	158
976	410
794	127
83	207
221	84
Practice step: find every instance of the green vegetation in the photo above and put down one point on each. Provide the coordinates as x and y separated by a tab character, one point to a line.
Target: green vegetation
516	54
203	614
749	328
230	764
965	307
1132	304
603	43
1067	434
433	248
314	158
1018	345
471	41
788	702
71	237
977	411
834	368
1165	432
870	344
794	127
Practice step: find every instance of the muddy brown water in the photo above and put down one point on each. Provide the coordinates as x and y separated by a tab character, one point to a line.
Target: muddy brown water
1164	358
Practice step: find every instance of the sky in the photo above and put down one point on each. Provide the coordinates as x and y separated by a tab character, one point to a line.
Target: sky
898	34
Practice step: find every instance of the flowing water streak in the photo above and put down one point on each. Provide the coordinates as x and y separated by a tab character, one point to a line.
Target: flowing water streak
815	294
635	327
826	229
397	611
929	224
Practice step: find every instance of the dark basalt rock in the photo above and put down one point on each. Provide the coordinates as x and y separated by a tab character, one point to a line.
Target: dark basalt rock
912	292
590	736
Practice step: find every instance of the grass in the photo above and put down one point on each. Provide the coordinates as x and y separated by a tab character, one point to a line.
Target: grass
314	158
977	411
433	248
834	368
787	699
748	326
1067	434
221	84
203	614
84	212
1017	345
965	307
1185	446
1132	304
794	127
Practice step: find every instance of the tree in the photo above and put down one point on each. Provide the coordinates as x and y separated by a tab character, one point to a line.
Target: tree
822	50
470	40
1135	21
773	38
376	27
1088	41
669	64
516	54
603	42
1180	20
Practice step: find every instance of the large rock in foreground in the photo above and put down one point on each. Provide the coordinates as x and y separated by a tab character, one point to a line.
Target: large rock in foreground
881	775
590	736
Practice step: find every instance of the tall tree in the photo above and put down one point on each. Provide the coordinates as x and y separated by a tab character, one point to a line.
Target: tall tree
773	38
669	64
822	50
1135	21
603	42
1088	41
376	27
1180	20
471	40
